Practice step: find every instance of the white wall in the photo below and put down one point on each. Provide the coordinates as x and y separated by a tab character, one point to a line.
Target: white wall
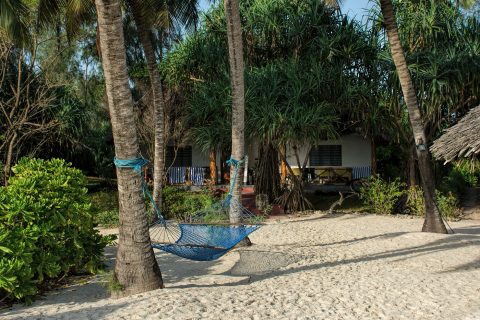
356	151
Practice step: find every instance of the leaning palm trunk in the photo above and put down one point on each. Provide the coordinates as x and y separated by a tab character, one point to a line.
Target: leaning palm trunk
235	54
136	269
158	102
433	220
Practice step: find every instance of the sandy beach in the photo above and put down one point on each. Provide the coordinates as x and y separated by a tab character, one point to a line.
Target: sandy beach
317	267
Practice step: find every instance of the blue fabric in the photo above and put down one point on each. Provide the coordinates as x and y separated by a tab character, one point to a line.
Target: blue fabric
203	242
137	164
200	242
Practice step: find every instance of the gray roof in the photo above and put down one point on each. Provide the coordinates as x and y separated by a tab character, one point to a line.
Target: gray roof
461	140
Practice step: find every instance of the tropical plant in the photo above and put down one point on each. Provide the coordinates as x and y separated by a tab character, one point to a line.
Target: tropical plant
433	221
235	58
136	268
381	196
46	227
297	86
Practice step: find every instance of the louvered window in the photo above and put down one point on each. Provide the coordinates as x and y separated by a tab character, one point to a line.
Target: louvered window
326	155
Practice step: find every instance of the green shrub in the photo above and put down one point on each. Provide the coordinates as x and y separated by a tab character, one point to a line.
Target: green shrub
46	227
105	208
463	174
381	196
447	204
415	201
181	205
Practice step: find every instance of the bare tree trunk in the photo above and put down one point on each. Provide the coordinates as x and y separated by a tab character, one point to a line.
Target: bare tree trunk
433	221
8	160
212	155
235	54
144	35
136	269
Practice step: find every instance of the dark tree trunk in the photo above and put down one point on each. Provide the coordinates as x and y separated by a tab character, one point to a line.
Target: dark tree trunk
136	269
412	167
433	220
293	199
267	175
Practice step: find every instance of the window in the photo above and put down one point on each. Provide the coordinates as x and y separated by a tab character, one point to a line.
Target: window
183	157
326	155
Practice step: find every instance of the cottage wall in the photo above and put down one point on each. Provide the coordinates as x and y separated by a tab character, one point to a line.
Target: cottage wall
356	151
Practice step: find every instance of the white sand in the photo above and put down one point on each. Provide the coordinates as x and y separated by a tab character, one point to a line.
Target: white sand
335	267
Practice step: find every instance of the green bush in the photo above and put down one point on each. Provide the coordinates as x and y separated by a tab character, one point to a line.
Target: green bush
447	204
46	227
463	174
181	205
381	196
415	201
105	208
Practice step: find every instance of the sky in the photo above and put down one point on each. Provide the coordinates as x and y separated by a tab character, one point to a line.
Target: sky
354	8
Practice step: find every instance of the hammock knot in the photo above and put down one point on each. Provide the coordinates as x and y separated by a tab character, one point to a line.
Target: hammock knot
136	164
234	162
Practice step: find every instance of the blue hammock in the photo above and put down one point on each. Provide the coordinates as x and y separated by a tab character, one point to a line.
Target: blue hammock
197	241
203	242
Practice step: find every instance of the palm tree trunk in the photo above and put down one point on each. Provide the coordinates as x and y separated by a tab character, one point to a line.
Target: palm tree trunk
158	102
235	54
433	221
136	269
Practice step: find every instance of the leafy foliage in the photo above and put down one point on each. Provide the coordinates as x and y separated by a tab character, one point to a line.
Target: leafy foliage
380	195
46	227
182	205
447	203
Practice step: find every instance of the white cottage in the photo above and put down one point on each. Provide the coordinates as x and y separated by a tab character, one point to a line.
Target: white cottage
341	160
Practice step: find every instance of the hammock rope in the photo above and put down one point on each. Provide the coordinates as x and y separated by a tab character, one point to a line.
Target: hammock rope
196	241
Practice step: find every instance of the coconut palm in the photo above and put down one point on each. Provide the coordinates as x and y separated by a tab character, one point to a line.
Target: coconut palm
12	21
235	57
433	220
149	14
136	269
184	12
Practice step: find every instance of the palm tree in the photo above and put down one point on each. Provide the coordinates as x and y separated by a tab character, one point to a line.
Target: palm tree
235	57
146	14
186	13
136	269
12	16
433	220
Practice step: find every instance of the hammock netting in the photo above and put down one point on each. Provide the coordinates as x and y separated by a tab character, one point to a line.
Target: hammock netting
199	240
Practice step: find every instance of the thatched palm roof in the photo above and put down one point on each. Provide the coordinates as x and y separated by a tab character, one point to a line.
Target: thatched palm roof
461	140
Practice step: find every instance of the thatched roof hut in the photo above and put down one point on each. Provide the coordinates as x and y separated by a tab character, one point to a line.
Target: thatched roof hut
461	140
